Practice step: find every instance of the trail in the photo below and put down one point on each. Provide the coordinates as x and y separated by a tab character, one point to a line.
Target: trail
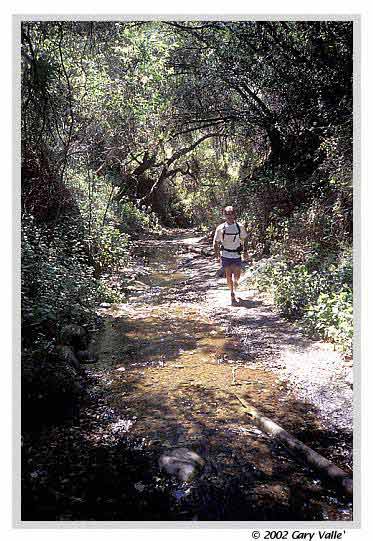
170	361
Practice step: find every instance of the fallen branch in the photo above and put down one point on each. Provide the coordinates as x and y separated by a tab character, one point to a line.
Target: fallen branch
299	449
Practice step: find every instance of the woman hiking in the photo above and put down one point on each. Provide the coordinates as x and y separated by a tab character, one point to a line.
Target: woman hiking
230	240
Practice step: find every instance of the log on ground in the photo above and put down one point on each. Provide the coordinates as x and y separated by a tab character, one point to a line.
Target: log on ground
298	449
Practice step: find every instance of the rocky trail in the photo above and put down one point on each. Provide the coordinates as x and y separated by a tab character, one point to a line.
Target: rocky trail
162	435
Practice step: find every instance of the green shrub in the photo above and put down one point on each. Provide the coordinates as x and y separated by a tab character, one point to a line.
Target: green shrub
108	224
58	284
331	318
295	289
134	220
109	249
63	263
320	299
105	242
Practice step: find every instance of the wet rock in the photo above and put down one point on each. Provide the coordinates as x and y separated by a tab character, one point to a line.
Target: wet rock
182	463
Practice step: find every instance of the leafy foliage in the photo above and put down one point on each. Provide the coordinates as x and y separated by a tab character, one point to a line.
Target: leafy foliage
321	299
331	317
128	126
58	284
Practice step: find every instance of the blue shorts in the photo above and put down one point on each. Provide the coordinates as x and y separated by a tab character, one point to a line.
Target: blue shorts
228	261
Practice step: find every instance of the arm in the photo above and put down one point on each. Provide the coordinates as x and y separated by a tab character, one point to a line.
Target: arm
216	245
245	248
245	242
217	250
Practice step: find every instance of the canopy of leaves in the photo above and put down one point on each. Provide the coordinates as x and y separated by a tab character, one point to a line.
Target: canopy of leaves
126	125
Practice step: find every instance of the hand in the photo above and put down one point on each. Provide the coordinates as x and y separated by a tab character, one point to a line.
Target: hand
246	256
218	259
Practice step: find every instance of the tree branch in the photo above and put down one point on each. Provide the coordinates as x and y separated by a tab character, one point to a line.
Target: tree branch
165	173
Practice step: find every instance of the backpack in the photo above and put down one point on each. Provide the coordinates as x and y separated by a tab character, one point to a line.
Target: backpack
239	248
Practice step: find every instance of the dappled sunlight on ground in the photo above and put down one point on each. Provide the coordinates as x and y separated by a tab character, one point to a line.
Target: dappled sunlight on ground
172	362
176	367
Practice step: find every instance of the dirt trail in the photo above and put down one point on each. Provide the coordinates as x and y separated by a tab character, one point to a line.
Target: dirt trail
171	360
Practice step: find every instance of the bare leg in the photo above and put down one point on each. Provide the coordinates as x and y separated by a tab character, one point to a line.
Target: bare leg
228	273
236	274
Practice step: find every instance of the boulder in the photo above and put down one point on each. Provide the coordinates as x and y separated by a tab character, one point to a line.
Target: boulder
182	463
75	336
67	354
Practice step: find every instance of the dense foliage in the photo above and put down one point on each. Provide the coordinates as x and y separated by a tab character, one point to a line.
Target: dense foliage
127	126
319	295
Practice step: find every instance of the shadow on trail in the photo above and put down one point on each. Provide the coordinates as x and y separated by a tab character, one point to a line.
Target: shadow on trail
156	337
165	380
99	472
263	327
247	303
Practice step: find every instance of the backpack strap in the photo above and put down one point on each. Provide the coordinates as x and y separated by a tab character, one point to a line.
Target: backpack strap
239	232
239	249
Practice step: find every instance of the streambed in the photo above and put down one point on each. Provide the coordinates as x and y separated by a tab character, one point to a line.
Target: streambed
171	360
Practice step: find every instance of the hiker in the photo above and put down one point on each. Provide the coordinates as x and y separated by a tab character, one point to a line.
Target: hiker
230	241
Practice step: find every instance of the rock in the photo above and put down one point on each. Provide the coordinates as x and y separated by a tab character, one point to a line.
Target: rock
182	463
66	353
74	335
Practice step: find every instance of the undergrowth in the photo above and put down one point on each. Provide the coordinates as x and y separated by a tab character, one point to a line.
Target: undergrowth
317	293
64	260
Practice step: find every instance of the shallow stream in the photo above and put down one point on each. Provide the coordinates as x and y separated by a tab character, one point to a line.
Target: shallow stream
167	377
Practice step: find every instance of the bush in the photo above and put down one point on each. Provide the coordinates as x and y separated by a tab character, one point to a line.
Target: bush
63	262
109	249
321	299
105	242
295	289
134	220
331	318
58	284
108	224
